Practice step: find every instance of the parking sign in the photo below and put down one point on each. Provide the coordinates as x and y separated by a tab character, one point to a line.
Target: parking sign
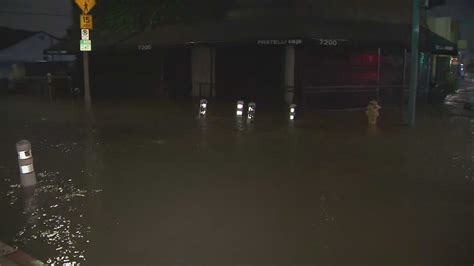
86	46
85	34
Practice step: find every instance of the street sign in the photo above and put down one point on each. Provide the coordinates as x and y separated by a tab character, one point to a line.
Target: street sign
280	42
86	45
85	34
85	5
86	22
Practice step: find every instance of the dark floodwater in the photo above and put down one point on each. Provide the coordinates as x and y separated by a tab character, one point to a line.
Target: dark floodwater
150	183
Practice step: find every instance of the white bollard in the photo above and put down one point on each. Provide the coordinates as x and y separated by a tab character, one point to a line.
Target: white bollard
292	112
251	111
203	108
240	108
25	162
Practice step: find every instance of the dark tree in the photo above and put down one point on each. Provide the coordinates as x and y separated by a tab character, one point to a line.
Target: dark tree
138	15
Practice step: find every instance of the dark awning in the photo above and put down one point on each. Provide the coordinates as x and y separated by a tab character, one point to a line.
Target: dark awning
439	45
366	33
251	31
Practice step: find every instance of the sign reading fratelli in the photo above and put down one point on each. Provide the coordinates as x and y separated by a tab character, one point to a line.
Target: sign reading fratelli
280	42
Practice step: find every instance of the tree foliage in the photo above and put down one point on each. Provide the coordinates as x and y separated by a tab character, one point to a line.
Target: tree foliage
137	15
131	15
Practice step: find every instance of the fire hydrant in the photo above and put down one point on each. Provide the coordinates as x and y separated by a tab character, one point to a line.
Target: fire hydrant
373	112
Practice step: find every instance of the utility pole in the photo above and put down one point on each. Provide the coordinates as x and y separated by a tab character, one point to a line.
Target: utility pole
415	45
86	45
87	86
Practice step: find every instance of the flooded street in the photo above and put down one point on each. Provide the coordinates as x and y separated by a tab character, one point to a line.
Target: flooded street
149	182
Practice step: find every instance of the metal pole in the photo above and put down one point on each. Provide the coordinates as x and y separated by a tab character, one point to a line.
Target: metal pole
415	43
428	79
50	88
404	82
211	74
162	76
87	88
379	53
404	78
434	69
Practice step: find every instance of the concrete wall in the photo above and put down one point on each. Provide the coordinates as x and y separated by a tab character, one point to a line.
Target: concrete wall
446	27
203	71
52	16
289	74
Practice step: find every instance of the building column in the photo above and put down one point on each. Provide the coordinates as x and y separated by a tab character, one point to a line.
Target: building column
434	68
428	77
289	81
160	86
203	71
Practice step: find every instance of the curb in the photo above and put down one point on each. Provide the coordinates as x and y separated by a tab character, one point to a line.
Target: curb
14	256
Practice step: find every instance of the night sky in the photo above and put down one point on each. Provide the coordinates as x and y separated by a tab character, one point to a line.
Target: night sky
463	11
52	16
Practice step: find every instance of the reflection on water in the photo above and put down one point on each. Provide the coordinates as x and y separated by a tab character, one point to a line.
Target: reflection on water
151	183
325	212
372	130
54	218
239	123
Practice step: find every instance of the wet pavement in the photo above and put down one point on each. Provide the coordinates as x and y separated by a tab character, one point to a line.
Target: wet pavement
465	94
149	183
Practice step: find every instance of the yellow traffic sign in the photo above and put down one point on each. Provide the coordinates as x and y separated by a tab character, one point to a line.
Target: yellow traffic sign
86	22
85	5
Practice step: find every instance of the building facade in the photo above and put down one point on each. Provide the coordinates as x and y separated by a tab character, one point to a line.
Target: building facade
462	10
328	54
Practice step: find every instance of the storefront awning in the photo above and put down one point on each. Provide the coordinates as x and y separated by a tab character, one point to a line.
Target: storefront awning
438	45
283	29
288	31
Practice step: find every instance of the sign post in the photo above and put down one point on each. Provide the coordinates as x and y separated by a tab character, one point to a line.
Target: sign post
86	23
415	43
